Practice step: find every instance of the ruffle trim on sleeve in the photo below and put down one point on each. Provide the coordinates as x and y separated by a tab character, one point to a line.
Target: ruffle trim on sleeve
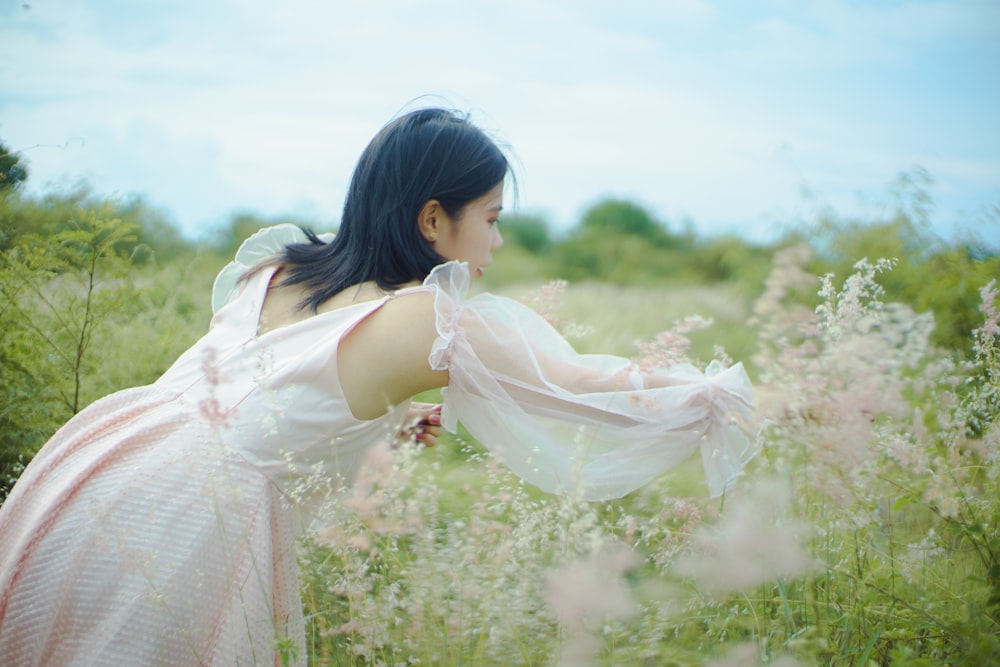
451	283
263	244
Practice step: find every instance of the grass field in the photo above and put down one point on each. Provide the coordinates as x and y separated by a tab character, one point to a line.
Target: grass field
865	532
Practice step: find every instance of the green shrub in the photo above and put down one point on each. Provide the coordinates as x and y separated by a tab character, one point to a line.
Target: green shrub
529	232
57	290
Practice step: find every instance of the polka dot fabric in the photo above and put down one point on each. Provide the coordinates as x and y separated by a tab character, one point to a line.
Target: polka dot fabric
149	544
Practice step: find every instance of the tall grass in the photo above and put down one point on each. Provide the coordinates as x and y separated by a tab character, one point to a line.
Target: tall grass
864	533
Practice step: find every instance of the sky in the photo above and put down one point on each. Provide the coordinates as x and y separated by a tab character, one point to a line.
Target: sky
722	117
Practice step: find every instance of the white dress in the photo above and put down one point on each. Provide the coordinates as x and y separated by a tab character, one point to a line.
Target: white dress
155	529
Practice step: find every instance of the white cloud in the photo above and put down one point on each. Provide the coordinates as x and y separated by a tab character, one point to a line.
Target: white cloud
715	111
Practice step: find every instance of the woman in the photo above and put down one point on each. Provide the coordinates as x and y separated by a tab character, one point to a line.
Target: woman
158	525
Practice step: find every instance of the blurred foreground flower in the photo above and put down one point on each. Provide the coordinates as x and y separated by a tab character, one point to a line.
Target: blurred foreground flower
755	542
586	594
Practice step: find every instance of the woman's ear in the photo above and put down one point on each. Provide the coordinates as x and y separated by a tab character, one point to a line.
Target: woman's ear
429	220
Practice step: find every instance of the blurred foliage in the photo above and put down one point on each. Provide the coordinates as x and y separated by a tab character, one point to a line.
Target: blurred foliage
930	274
619	243
56	290
617	217
527	231
156	238
93	299
513	265
226	239
13	172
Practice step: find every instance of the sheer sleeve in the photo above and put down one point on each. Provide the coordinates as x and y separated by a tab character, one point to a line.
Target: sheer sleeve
264	243
588	425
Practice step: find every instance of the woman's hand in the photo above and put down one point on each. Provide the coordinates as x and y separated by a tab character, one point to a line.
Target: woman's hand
423	424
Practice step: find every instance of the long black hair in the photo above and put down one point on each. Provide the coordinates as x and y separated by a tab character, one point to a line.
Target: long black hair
422	155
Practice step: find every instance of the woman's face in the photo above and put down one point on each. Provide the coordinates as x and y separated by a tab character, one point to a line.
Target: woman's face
474	236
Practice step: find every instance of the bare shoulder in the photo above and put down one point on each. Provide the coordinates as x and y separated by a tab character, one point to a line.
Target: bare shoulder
404	328
384	360
412	313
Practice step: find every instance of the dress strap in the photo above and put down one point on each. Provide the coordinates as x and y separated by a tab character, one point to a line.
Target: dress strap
409	290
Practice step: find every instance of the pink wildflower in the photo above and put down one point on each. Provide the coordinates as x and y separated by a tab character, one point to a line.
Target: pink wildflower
669	347
212	411
546	300
210	366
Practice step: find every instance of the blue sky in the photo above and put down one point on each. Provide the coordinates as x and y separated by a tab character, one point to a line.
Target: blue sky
733	117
